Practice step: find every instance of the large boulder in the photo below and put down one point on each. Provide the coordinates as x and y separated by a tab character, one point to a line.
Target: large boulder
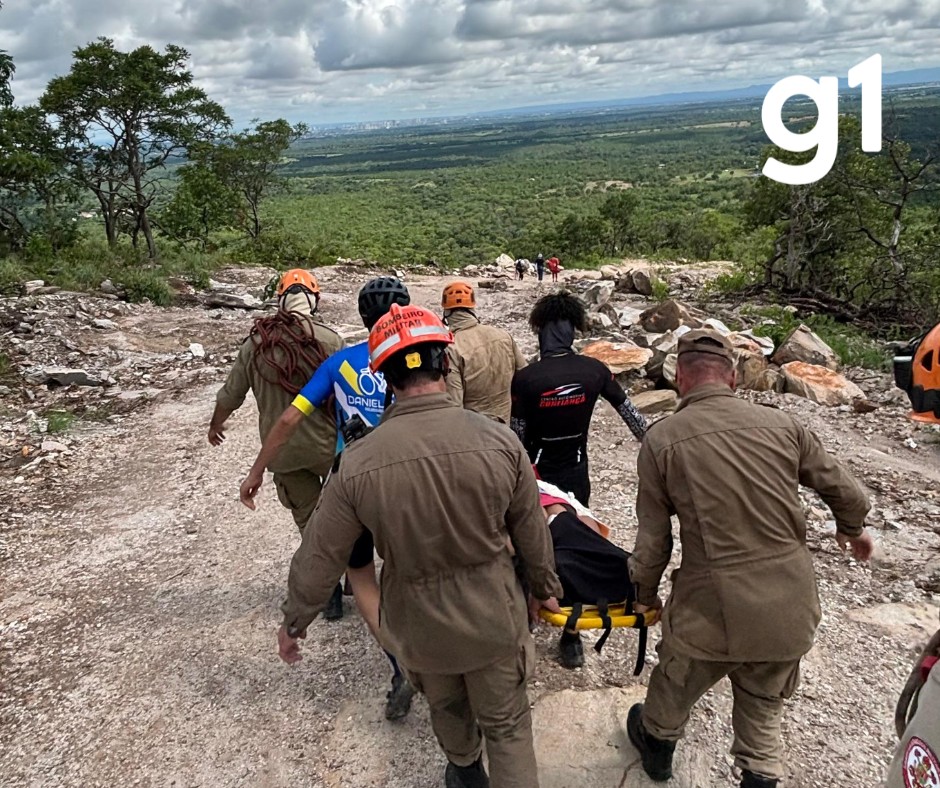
598	321
63	376
629	316
612	272
660	318
642	281
804	345
232	300
669	369
619	357
819	384
770	379
505	261
598	294
655	401
750	368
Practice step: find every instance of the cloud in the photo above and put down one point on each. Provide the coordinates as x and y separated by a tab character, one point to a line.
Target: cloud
328	60
371	34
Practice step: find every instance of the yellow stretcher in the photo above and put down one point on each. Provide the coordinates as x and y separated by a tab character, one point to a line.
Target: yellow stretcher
592	617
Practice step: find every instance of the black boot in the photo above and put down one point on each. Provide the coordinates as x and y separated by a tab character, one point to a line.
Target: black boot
472	776
334	608
656	754
751	780
571	649
398	698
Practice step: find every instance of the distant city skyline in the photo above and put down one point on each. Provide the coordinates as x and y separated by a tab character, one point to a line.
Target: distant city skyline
346	61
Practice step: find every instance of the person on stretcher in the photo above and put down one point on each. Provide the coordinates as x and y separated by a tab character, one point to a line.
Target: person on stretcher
590	568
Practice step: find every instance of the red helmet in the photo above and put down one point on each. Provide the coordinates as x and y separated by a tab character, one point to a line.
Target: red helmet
404	327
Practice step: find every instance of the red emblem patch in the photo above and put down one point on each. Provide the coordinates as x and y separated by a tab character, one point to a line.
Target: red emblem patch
921	768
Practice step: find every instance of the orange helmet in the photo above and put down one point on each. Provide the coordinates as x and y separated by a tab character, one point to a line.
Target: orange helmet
917	371
401	328
298	277
458	295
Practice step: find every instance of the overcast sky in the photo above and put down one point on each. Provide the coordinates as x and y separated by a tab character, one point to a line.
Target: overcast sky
325	61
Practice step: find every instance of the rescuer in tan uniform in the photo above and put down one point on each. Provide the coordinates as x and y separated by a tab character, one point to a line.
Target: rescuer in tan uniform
279	356
482	359
744	602
452	609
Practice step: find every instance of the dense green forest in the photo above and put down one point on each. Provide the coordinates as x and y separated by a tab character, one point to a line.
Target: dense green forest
103	177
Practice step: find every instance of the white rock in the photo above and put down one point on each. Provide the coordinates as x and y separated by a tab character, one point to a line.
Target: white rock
197	350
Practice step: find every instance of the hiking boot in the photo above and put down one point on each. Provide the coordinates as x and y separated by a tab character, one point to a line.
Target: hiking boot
398	698
571	649
656	754
472	776
334	608
751	780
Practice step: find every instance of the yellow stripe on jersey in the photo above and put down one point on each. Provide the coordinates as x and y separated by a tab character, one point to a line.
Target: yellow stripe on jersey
303	405
352	378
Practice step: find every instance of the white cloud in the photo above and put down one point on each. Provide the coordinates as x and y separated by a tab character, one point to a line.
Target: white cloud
328	60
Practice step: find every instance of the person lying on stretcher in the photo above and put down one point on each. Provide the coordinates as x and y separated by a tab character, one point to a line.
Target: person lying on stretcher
591	568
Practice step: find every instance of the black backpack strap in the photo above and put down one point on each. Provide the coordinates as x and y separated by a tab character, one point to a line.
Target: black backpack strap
604	612
639	622
572	622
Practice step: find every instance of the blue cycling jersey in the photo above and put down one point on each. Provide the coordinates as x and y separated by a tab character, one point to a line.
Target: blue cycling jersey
357	390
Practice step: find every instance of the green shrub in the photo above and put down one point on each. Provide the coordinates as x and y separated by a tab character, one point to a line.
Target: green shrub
58	421
660	289
12	276
145	283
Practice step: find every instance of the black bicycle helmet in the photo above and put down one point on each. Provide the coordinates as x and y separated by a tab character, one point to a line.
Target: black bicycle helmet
377	297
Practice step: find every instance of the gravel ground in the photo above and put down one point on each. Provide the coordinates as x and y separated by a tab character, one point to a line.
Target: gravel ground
139	604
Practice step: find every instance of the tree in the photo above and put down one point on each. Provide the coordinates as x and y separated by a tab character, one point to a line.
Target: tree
247	163
225	183
123	116
620	212
6	74
33	179
202	204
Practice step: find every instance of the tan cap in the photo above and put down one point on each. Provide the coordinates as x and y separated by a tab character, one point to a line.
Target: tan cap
705	340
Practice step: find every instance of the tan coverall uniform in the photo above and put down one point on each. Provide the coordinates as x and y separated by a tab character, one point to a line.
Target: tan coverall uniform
441	489
744	602
306	458
483	360
916	761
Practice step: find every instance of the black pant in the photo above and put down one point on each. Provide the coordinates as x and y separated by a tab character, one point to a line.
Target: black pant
574	479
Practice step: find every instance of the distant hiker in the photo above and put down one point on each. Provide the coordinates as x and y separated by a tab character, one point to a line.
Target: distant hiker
553	399
540	266
554	266
521	265
452	608
744	602
281	353
358	395
482	359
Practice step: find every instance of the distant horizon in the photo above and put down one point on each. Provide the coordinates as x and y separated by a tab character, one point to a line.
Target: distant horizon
920	76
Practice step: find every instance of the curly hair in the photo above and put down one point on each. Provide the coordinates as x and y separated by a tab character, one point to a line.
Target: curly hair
556	307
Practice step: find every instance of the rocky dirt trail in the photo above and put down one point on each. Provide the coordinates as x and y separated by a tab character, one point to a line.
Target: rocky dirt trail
138	598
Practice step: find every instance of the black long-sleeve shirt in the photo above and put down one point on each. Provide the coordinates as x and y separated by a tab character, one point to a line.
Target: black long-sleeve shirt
555	399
